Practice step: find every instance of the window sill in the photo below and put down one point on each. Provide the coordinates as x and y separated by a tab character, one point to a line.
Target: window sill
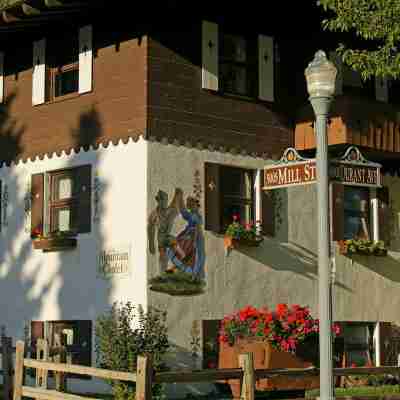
231	243
51	244
363	248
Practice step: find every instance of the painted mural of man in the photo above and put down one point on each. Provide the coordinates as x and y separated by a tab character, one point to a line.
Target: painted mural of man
162	219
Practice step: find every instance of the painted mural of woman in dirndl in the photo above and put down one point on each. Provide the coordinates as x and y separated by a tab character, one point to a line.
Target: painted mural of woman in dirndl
186	252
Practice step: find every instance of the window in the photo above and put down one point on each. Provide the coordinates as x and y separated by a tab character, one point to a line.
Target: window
75	335
356	213
237	63
360	213
236	191
61	201
63	69
237	195
62	66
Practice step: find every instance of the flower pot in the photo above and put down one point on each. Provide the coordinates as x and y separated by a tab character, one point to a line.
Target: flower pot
54	244
265	357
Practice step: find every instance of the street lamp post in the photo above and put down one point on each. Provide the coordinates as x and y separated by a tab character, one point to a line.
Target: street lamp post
320	75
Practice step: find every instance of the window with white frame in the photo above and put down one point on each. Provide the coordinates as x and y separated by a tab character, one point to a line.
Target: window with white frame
360	213
236	191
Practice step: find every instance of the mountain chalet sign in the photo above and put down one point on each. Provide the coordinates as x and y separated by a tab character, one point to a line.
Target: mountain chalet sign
293	170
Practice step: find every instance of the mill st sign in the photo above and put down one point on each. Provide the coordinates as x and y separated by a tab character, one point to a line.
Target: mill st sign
294	170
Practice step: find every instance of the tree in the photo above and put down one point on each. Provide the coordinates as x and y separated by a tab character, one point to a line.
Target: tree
376	24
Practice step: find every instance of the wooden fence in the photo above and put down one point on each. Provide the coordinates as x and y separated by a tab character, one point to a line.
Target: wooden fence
145	377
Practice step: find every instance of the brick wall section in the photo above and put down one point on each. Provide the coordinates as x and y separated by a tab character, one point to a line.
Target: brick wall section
115	109
180	110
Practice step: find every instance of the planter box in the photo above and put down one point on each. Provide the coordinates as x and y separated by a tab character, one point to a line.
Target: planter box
231	243
344	250
266	357
54	244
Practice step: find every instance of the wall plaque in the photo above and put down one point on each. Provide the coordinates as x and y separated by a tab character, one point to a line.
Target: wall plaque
114	261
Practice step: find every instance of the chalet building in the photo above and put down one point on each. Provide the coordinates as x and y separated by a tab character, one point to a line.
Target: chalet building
128	140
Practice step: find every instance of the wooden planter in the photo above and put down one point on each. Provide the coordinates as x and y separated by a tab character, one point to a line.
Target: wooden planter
54	244
231	243
265	357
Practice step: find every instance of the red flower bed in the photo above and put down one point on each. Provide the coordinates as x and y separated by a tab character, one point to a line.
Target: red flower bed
284	328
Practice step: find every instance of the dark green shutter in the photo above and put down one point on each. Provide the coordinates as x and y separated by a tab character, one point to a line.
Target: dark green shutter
84	189
337	205
37	203
212	197
384	214
83	340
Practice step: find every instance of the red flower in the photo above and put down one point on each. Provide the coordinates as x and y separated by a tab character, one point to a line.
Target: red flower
235	217
212	365
353	365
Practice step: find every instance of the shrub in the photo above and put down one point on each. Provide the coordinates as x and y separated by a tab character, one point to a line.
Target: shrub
119	341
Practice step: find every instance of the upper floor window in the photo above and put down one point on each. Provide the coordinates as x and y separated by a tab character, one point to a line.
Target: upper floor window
61	68
237	64
238	68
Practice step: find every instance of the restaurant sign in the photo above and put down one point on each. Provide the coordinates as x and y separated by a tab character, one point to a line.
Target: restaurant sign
114	261
353	169
294	170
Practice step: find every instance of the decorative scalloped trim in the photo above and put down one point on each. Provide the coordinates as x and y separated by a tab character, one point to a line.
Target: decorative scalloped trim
110	144
203	145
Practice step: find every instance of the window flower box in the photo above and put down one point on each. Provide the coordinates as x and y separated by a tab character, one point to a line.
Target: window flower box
362	247
56	241
238	235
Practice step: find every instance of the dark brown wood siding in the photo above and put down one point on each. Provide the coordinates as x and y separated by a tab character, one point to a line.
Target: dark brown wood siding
179	109
115	109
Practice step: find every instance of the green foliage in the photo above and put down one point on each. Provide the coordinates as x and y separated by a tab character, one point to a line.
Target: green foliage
177	284
365	247
238	231
376	23
124	333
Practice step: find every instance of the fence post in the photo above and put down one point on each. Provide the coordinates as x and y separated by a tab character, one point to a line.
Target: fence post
6	361
19	369
246	362
144	375
42	354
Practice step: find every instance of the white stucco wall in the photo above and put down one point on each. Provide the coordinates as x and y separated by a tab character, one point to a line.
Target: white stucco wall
284	268
66	285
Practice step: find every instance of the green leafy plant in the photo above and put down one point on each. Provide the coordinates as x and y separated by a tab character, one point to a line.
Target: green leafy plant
125	332
238	231
363	246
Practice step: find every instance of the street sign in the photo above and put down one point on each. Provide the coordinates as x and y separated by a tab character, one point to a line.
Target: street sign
353	169
293	170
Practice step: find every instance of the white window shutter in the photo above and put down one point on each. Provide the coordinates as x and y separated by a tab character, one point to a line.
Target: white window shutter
39	72
337	61
381	89
266	68
85	59
1	77
209	55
